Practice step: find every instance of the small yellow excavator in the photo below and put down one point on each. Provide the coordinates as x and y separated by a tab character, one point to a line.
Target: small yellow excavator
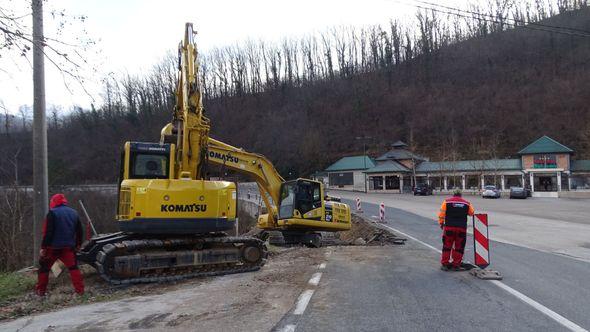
172	218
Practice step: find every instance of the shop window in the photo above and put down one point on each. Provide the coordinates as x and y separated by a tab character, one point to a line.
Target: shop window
454	182
407	183
437	182
512	181
545	182
392	183
492	180
565	178
580	181
341	179
472	182
421	180
376	183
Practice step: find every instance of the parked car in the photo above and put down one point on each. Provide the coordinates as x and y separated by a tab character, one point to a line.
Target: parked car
518	192
422	189
490	192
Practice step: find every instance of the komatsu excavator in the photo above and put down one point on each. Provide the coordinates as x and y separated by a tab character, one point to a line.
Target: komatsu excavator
172	218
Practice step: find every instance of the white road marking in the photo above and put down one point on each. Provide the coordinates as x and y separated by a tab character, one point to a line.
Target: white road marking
548	312
303	301
541	308
315	279
413	238
288	328
305	297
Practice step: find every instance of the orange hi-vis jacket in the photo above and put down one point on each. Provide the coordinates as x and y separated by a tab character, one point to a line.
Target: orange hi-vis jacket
454	212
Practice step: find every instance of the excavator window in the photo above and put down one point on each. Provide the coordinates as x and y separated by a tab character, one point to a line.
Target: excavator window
287	203
301	195
149	166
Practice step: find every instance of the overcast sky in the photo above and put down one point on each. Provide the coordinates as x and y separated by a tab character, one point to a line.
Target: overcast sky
133	35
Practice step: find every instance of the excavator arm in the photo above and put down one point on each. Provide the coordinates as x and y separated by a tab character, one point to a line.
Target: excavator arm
256	166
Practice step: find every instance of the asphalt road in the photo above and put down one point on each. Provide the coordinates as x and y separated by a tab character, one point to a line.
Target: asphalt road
402	288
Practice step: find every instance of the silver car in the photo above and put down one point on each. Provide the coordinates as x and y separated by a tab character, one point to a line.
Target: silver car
490	192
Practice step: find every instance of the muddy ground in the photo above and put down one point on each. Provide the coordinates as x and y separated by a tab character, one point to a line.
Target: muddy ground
260	298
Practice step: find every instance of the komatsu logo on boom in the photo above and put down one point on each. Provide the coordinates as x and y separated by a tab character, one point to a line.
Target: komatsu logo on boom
224	157
183	207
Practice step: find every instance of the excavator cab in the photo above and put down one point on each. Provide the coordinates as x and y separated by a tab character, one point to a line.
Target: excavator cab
302	206
300	199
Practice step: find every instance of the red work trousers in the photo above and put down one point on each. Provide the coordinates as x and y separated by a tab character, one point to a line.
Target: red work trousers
68	257
453	239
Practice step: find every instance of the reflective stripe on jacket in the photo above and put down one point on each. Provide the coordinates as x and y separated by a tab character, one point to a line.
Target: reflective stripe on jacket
454	212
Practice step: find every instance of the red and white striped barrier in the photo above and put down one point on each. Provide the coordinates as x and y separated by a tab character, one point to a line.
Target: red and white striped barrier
382	212
481	240
358	205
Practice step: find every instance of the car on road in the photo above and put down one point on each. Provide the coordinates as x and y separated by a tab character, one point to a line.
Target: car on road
518	192
422	189
490	192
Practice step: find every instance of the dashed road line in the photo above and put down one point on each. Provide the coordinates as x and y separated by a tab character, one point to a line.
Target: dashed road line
287	328
315	279
538	306
303	301
289	322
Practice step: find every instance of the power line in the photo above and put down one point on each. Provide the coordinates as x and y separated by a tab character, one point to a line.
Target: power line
507	18
514	25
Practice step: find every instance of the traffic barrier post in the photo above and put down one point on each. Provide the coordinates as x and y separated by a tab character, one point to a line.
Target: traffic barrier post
481	248
382	212
481	242
358	205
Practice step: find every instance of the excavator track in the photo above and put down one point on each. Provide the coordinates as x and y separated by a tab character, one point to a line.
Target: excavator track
132	260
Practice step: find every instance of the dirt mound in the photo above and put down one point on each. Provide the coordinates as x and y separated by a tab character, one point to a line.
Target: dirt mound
366	232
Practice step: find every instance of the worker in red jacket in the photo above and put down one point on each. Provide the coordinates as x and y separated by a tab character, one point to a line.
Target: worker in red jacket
62	236
452	219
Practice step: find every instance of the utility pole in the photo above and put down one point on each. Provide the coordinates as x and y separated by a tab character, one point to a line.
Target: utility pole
39	127
364	138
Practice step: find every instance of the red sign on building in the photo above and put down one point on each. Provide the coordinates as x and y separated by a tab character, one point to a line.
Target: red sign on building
545	161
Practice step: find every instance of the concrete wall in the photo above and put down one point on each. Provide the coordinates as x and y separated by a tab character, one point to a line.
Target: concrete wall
359	181
574	194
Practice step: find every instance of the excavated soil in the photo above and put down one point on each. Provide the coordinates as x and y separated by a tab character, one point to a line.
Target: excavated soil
60	293
364	231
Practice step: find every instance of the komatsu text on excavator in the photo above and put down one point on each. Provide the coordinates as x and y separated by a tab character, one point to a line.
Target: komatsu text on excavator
172	218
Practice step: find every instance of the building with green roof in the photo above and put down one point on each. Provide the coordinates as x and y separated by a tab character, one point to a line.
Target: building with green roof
545	166
348	173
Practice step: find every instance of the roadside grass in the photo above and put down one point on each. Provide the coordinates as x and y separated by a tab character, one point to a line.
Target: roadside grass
13	284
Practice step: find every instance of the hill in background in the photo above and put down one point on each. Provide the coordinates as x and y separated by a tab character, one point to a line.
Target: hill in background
481	92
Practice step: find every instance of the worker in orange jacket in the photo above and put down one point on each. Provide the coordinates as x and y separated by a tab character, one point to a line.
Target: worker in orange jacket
452	219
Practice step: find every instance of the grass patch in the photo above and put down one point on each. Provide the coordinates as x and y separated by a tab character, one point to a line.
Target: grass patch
13	284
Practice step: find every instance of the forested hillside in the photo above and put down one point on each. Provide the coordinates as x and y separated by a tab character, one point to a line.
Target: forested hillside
480	86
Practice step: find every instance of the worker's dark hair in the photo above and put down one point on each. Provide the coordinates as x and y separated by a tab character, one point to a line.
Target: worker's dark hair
457	192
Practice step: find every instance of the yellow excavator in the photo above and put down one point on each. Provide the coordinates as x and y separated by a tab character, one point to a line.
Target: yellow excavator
172	218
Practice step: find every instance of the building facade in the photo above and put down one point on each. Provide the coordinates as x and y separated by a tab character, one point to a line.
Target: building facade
545	166
348	173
